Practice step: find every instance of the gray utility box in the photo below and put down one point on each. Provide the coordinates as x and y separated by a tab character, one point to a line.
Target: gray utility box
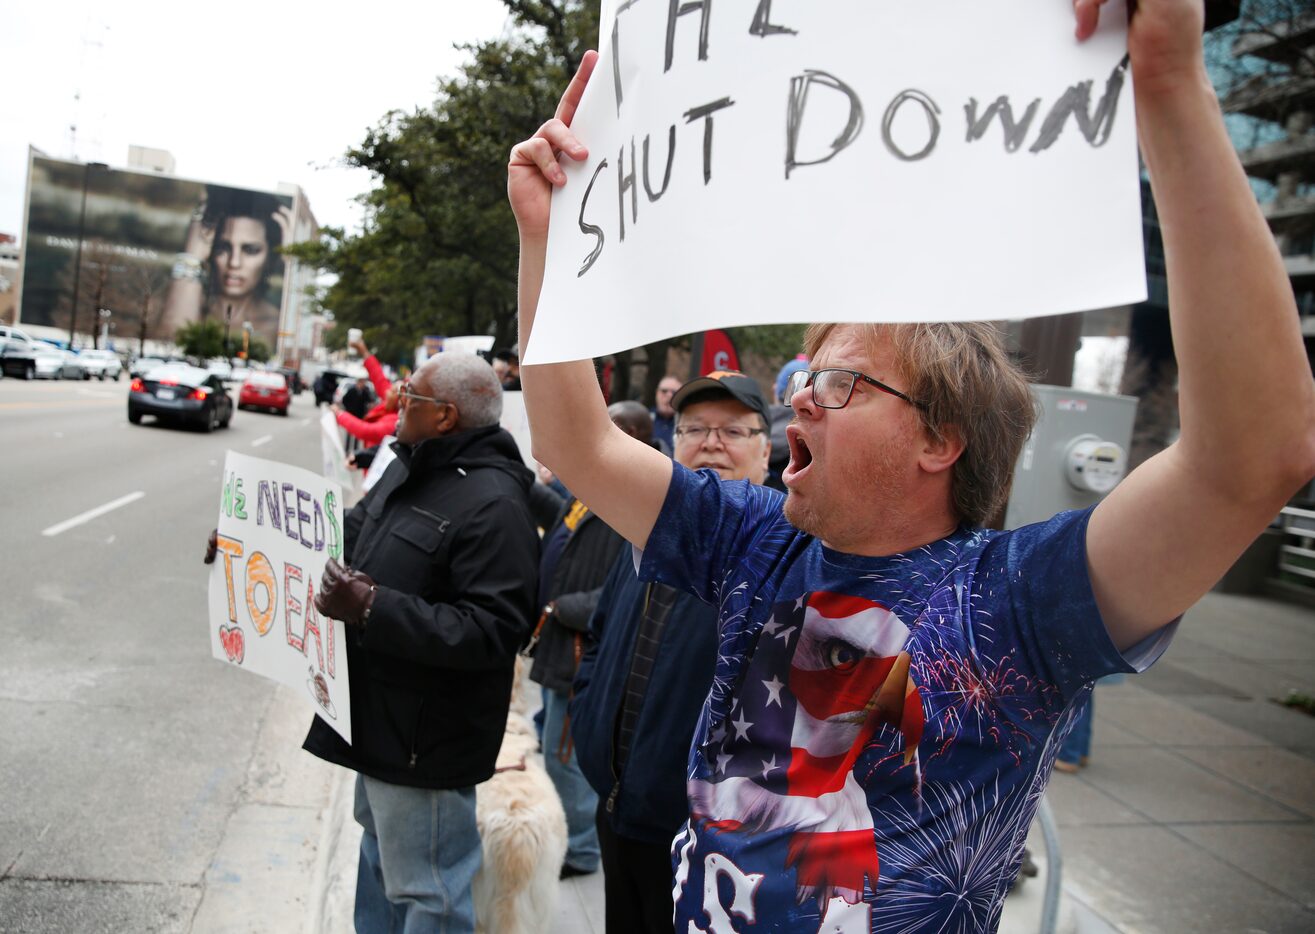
1078	451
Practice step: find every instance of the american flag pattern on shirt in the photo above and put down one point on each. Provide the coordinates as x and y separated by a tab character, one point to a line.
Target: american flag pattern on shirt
879	730
846	678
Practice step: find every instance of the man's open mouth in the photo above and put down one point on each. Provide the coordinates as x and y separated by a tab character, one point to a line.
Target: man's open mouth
800	456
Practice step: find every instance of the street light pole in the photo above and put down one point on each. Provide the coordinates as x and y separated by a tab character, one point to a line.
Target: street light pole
228	316
77	261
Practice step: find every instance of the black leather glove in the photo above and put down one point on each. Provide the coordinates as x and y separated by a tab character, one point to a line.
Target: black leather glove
345	594
211	546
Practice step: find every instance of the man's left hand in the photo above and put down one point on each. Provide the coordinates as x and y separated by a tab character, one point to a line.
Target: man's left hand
345	594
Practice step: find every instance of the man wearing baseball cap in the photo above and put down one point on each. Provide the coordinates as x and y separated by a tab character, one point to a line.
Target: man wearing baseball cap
641	685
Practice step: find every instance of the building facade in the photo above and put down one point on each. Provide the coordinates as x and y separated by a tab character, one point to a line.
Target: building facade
141	253
1267	87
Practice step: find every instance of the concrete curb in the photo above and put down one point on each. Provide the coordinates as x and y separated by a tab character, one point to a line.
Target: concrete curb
333	885
257	877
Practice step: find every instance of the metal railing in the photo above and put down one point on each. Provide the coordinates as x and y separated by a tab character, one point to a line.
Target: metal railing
1299	524
1054	868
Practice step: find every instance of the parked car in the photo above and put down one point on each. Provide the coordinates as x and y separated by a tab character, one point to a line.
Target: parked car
265	390
17	353
142	365
71	365
54	362
182	393
103	364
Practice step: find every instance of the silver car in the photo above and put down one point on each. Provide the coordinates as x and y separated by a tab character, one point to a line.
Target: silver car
103	364
54	362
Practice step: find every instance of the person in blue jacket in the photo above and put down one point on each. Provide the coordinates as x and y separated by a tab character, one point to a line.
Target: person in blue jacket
642	682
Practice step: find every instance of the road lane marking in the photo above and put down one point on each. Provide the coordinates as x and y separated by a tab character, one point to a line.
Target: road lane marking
263	439
92	514
56	404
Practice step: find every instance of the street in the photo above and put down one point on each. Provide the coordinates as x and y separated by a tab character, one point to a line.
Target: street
131	759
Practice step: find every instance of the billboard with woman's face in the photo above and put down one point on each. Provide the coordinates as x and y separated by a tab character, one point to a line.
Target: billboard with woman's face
153	251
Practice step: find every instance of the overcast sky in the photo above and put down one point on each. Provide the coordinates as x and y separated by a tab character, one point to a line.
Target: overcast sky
242	93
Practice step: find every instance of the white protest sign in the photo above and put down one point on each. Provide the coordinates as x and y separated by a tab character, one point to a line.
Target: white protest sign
333	456
278	525
383	456
469	343
790	161
517	424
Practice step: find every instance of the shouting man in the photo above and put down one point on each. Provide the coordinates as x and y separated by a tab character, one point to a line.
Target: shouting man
891	680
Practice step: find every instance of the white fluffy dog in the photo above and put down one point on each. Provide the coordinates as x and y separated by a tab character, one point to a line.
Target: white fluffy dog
523	829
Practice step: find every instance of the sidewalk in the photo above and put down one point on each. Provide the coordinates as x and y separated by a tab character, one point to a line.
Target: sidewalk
1197	812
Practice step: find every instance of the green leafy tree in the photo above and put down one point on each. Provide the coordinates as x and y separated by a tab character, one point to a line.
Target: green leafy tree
438	251
205	338
202	339
775	343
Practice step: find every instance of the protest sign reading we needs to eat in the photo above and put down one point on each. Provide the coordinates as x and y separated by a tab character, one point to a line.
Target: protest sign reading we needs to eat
278	526
774	161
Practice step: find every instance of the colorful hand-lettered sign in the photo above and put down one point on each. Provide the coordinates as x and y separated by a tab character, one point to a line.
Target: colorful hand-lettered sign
782	161
278	525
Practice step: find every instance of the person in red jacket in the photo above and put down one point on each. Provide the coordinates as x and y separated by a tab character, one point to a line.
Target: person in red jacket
380	421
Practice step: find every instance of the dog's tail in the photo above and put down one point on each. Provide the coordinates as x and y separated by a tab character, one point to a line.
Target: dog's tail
526	853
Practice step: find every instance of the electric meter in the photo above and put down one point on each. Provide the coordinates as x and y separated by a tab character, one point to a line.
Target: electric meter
1076	454
1093	465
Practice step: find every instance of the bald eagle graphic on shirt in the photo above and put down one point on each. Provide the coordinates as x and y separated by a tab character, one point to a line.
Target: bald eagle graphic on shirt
829	675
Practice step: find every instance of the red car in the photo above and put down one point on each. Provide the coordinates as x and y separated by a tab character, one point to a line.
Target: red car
265	390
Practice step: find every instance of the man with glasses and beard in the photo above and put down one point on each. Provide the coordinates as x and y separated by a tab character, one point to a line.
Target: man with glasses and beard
437	593
892	681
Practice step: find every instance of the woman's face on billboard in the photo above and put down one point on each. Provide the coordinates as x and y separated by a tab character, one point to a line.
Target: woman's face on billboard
240	253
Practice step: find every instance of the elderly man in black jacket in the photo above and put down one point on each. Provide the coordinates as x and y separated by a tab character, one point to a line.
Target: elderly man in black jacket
438	595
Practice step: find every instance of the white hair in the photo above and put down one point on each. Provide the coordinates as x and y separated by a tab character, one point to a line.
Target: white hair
469	383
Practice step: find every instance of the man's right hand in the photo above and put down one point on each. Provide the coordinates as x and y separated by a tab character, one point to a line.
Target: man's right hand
532	170
211	546
577	439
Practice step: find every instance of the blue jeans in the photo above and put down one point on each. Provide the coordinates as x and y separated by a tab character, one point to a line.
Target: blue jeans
420	849
578	799
1077	746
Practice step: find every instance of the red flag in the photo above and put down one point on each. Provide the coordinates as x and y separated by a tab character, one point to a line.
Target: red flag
718	353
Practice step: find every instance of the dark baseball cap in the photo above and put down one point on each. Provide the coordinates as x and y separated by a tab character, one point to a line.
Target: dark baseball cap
721	383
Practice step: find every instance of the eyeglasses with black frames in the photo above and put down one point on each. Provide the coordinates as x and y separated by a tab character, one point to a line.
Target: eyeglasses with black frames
729	434
832	387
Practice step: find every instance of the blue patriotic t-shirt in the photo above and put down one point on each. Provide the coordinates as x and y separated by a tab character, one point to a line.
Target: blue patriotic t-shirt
879	730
